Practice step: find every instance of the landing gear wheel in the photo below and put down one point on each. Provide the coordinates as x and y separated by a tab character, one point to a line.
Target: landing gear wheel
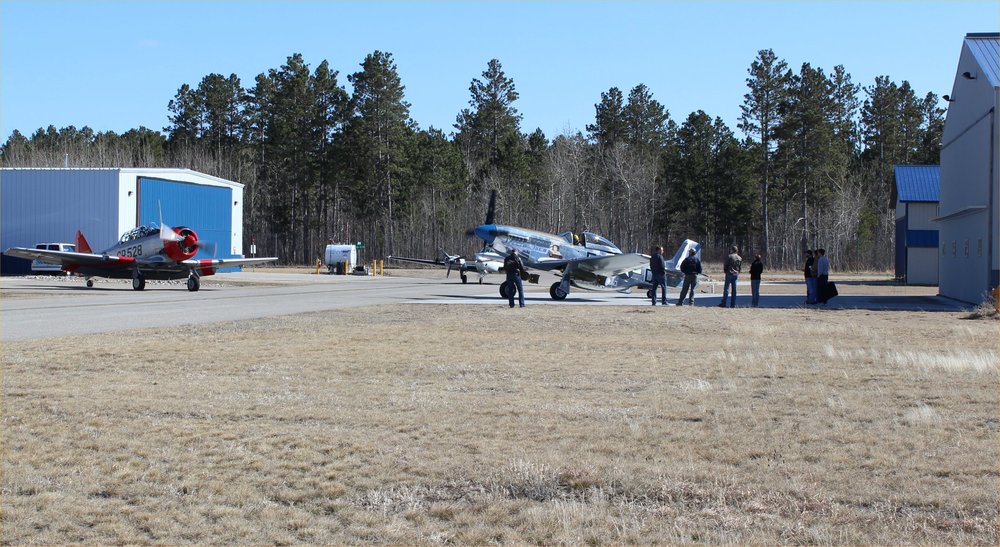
649	293
556	292
506	289
193	284
465	279
138	283
90	283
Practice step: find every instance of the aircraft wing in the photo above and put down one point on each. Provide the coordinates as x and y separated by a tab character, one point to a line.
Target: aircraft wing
468	266
157	263
602	265
217	263
436	262
66	257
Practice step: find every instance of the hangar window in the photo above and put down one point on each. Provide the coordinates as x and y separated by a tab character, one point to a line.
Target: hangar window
966	247
944	249
980	246
954	248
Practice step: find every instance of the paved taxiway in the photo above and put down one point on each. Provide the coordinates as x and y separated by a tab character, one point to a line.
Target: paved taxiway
49	307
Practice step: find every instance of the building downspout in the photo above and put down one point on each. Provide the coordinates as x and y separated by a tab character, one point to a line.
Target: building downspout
989	229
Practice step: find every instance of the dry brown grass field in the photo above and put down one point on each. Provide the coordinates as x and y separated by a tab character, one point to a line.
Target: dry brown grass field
427	424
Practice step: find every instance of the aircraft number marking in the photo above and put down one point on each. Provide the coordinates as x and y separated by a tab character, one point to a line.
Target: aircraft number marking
133	251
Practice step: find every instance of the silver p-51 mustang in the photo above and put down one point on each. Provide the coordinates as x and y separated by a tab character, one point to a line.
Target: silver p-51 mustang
585	261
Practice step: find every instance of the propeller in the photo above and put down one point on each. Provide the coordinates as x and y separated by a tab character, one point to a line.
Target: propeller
491	209
490	215
452	260
186	240
166	232
209	247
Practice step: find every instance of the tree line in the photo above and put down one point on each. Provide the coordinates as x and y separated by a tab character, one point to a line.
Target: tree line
813	169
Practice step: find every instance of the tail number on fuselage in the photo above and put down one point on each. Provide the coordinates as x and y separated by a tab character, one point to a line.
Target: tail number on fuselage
133	251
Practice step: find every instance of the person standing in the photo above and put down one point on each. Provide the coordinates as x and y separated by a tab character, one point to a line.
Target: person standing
822	276
809	271
659	270
514	268
756	268
732	266
691	268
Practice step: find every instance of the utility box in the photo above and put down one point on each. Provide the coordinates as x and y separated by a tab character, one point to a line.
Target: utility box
341	257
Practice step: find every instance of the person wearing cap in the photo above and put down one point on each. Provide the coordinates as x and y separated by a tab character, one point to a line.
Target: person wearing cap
732	266
691	268
513	266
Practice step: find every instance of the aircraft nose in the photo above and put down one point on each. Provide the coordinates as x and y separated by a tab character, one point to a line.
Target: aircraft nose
486	232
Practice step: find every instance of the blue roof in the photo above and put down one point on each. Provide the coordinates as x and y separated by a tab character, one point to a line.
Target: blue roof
918	183
985	47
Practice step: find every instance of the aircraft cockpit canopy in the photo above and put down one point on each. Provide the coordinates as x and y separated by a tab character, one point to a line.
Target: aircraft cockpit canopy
593	240
139	232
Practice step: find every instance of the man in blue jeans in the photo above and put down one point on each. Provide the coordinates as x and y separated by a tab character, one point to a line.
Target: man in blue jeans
514	268
732	266
659	271
691	267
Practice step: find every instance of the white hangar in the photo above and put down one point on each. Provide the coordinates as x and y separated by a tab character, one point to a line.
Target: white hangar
50	205
968	221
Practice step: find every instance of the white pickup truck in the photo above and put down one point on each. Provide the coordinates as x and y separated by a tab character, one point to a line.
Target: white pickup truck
41	267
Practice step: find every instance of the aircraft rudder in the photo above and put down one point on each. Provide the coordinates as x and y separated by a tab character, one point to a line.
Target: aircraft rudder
81	243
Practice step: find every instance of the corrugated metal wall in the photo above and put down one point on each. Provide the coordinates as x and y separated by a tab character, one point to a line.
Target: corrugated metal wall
205	209
50	205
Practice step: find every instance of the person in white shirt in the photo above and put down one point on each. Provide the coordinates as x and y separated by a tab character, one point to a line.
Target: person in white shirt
822	275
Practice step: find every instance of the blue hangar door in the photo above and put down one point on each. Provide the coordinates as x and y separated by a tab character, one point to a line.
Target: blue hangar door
205	209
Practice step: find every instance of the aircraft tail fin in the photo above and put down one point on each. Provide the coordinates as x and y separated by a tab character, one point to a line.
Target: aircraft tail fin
81	243
682	253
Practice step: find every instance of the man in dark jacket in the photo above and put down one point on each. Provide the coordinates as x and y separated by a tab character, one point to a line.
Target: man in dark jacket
732	267
513	266
659	271
691	267
809	271
756	268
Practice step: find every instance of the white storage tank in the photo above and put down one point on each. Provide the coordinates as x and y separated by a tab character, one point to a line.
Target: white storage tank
340	258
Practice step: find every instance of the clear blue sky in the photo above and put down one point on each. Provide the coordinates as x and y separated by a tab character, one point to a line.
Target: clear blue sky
114	65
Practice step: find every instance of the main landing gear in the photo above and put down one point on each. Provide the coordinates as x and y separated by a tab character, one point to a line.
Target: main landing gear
557	292
138	281
193	283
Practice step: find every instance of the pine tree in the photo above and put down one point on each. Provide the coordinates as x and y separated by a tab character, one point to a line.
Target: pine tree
378	133
489	132
761	116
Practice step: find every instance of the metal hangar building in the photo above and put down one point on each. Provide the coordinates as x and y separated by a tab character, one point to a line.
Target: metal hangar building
968	226
917	188
49	205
